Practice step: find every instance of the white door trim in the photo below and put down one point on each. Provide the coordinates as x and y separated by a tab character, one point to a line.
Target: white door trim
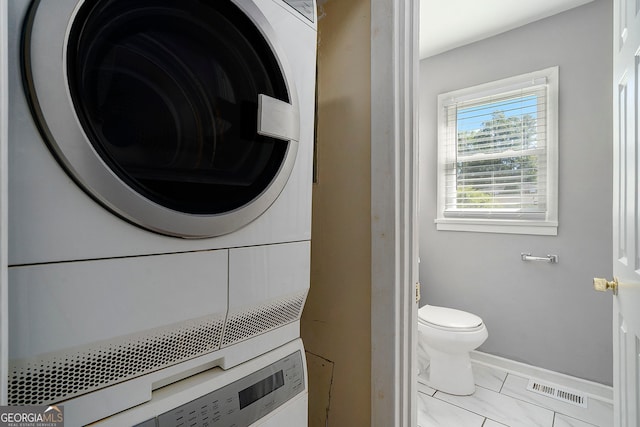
4	136
394	162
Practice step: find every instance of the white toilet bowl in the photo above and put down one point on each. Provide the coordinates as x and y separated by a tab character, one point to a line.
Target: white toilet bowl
448	336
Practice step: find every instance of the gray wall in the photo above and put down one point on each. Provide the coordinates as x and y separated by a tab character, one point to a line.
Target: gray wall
540	314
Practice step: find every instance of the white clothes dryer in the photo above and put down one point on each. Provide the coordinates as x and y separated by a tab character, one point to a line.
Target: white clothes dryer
160	162
146	120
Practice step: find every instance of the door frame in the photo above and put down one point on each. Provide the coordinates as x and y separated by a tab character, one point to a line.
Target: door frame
4	138
394	201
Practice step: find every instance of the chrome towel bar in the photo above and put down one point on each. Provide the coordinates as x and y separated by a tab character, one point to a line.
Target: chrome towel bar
553	259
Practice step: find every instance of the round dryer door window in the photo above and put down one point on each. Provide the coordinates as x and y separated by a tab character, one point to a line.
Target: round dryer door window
179	116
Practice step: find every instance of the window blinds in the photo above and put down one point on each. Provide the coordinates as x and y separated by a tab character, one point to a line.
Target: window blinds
496	154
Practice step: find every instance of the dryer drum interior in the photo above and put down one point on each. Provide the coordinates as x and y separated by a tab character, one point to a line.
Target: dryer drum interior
165	110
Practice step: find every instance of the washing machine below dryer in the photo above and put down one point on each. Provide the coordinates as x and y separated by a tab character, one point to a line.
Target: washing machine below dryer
268	391
134	267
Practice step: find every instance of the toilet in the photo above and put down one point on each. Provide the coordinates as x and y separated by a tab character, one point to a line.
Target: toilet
447	336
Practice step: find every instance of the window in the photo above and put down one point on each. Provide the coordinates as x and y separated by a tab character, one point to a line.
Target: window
497	156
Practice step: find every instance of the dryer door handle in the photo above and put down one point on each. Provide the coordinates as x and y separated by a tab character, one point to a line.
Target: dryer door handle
278	119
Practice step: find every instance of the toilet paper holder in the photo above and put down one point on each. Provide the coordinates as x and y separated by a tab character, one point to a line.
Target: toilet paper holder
552	259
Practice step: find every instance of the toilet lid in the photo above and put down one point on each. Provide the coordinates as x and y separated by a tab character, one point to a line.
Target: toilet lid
448	317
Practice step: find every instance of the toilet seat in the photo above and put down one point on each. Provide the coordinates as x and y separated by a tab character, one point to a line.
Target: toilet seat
447	336
449	319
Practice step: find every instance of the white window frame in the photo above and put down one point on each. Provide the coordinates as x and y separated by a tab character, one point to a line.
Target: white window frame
548	225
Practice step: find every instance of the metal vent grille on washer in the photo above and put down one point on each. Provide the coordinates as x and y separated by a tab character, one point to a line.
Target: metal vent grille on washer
556	392
62	375
248	322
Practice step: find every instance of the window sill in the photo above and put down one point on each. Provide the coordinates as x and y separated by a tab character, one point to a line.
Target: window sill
541	228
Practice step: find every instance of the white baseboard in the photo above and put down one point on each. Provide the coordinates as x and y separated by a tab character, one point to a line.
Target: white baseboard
591	388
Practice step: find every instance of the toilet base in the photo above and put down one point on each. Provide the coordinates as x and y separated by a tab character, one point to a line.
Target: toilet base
450	373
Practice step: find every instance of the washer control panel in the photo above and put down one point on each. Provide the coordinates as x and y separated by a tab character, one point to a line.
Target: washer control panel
305	7
242	402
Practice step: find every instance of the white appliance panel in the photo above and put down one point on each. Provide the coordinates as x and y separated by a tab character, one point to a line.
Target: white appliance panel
119	397
216	393
67	305
262	274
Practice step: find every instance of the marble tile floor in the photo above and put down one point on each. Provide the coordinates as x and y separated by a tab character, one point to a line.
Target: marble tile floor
501	399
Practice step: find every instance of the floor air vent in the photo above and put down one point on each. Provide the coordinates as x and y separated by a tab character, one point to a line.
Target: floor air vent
556	392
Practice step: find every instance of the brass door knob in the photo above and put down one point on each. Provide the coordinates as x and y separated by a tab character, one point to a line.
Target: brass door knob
603	285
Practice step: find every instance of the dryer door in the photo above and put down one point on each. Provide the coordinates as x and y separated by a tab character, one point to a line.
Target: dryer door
179	116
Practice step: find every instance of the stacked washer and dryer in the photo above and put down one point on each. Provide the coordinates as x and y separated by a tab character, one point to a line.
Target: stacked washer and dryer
160	167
